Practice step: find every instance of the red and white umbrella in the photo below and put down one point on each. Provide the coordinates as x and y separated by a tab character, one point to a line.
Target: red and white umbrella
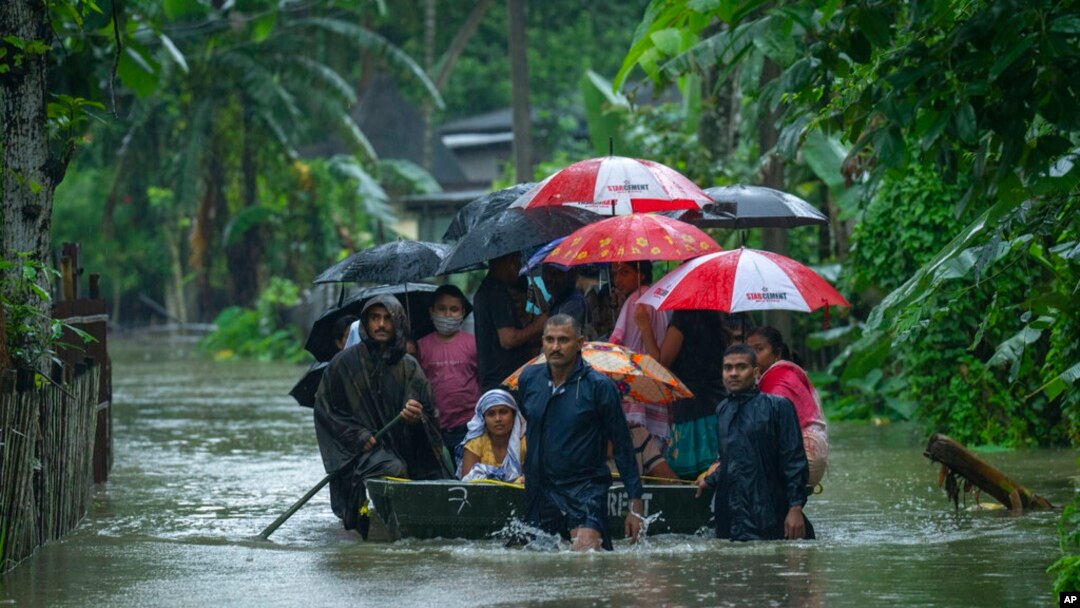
632	238
742	280
616	185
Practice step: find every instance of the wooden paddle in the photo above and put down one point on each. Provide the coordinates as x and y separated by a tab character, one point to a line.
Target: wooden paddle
265	534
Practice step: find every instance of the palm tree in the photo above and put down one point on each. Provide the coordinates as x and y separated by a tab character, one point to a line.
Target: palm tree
235	98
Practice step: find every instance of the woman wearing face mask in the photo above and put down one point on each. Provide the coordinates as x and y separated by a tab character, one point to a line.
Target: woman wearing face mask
448	359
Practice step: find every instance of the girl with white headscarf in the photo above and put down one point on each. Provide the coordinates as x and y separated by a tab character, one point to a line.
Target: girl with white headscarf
495	430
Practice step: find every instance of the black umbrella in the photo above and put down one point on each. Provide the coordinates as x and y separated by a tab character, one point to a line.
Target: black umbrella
754	207
483	208
395	262
513	230
415	297
304	391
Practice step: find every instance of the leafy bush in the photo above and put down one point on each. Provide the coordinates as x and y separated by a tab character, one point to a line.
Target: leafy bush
262	333
1067	567
31	335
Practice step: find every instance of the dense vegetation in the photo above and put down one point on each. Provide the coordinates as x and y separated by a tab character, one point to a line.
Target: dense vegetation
958	178
939	136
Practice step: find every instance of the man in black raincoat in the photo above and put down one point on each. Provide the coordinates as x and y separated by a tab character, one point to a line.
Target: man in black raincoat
761	471
363	389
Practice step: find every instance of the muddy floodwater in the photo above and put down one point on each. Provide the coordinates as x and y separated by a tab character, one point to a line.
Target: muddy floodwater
208	454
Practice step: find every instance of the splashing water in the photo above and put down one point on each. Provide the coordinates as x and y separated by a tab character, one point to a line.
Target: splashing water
517	533
643	536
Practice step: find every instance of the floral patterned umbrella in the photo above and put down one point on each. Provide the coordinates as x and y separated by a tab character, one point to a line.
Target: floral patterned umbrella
632	238
638	377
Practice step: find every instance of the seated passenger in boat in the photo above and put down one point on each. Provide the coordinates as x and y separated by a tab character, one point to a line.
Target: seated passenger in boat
494	446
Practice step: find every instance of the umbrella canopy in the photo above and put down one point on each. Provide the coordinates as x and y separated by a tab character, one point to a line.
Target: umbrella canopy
395	262
616	185
537	258
483	208
638	376
415	297
742	280
632	238
755	207
304	391
510	231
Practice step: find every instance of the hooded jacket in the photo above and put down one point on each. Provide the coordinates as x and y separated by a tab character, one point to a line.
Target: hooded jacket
763	470
363	389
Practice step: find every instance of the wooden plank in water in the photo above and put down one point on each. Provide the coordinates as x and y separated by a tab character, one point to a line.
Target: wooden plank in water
959	460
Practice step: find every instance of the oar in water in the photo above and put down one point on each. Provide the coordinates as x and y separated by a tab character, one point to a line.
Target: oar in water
265	534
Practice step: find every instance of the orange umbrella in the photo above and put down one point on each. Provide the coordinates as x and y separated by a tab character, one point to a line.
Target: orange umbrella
638	376
632	238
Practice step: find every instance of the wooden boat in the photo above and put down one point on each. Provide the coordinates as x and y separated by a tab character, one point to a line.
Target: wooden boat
476	510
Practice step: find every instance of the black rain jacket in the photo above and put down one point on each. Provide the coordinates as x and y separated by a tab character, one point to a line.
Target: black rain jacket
763	470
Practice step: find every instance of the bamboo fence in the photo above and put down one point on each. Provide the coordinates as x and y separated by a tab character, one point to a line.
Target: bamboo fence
46	460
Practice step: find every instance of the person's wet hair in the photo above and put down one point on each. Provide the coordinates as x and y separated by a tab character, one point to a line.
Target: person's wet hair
644	270
562	320
742	349
776	342
342	325
773	337
452	290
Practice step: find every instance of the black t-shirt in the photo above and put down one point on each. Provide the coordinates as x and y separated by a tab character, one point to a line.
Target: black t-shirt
493	308
700	361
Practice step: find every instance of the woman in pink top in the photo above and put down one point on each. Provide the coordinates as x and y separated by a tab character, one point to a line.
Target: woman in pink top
642	329
785	378
448	358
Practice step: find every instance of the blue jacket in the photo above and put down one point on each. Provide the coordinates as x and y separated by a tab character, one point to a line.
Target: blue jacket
568	431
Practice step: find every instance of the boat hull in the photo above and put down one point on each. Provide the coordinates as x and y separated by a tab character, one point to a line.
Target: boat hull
471	510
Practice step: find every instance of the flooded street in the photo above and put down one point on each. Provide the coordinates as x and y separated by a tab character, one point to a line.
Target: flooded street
208	454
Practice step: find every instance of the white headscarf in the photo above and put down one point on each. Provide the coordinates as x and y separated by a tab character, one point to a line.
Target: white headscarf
354	335
510	470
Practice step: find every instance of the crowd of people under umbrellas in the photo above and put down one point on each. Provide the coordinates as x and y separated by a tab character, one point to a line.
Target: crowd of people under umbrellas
752	433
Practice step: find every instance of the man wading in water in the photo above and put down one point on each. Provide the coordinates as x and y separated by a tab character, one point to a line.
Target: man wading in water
573	412
760	474
363	389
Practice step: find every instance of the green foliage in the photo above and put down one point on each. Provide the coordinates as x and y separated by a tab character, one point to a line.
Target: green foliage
262	333
31	336
1067	567
955	113
906	223
565	38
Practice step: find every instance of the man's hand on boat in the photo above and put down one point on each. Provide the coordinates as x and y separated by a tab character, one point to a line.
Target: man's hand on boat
703	479
635	518
411	412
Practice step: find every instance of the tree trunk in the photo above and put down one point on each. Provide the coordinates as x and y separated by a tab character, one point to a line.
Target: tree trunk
457	45
428	155
28	174
244	252
718	128
519	82
772	176
958	460
205	233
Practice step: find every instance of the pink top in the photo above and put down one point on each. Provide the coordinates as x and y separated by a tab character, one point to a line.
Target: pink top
451	368
788	380
626	332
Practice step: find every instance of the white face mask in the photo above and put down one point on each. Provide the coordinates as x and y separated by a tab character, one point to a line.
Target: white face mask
447	326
